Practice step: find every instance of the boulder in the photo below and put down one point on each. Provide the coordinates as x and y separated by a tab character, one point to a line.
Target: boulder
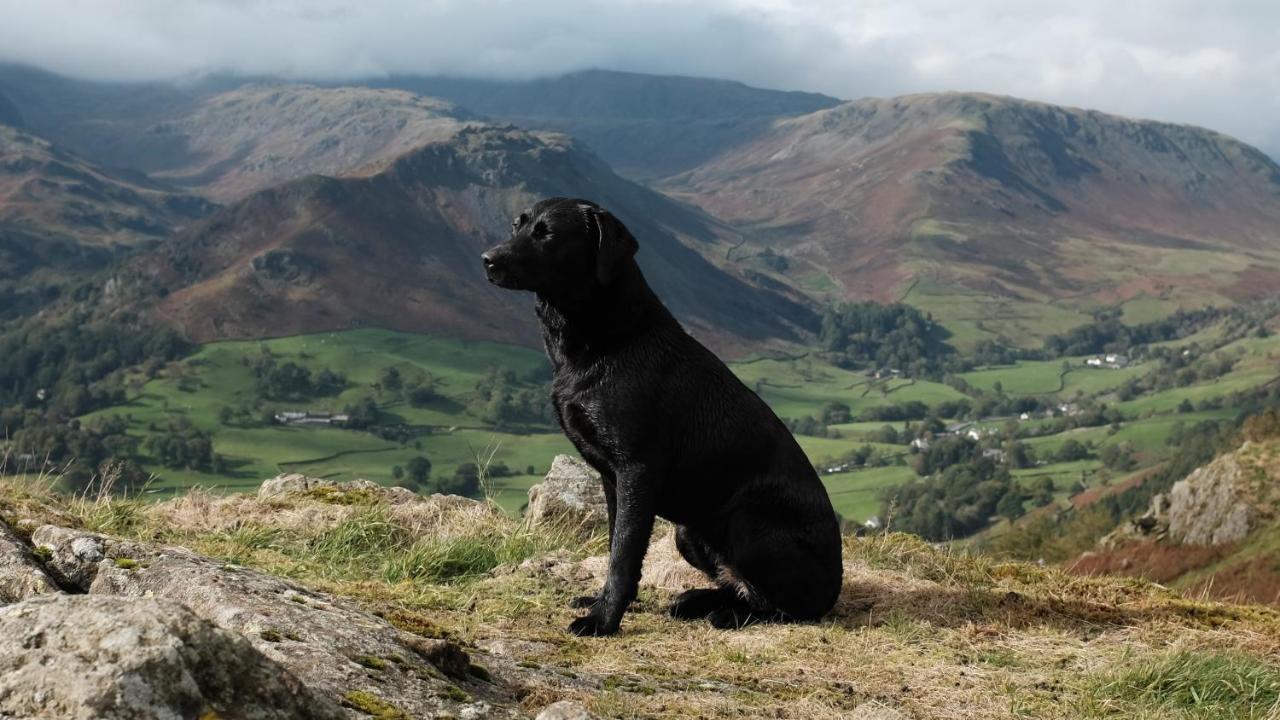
100	658
1210	506
571	495
332	646
285	483
21	575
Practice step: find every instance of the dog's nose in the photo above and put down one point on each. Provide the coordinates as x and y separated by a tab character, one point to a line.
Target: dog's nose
488	260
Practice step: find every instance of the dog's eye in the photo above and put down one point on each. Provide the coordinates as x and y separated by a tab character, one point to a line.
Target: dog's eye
540	229
519	221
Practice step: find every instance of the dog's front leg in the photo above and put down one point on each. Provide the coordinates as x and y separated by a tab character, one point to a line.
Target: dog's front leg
611	505
632	526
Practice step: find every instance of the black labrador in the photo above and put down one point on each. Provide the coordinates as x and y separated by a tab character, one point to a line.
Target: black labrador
671	430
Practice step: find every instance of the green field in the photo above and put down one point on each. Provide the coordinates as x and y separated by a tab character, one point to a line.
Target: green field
858	495
450	431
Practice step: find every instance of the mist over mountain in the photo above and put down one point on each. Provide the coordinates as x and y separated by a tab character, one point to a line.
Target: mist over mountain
642	125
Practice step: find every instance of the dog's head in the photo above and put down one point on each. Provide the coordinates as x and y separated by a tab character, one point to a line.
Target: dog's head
559	245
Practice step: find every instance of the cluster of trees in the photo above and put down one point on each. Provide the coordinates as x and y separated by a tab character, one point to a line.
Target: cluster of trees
957	501
504	400
832	413
465	480
418	389
1108	334
287	380
897	337
959	492
179	444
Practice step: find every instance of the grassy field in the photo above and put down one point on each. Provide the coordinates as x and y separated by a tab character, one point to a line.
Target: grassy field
857	495
449	431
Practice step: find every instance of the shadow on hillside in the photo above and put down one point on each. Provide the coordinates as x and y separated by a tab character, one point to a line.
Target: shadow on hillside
871	604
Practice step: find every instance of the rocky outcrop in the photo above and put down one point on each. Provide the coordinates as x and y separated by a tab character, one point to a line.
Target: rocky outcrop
21	575
1217	504
571	495
101	658
1210	507
331	646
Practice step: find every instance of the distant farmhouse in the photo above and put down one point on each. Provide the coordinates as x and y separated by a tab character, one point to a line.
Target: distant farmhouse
309	417
1111	360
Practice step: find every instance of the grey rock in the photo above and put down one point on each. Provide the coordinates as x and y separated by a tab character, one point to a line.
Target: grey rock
285	483
86	657
1208	507
565	710
328	643
570	495
21	575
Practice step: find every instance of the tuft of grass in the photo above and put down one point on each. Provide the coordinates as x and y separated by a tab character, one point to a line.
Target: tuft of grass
1191	685
126	563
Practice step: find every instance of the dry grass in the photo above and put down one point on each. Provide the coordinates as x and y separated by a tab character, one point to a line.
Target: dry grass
919	630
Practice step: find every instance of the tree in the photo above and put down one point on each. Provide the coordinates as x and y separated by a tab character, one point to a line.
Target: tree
397	472
1010	506
389	379
1071	451
419	469
465	481
363	414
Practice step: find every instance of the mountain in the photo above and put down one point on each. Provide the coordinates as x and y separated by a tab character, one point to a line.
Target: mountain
258	136
1008	219
643	125
227	137
61	216
399	248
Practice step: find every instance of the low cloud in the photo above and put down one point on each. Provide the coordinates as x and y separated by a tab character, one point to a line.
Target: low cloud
1212	63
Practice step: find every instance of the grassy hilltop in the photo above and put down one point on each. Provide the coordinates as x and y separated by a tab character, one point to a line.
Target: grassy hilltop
918	632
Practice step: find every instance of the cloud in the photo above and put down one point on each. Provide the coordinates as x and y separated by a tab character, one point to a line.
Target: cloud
1209	62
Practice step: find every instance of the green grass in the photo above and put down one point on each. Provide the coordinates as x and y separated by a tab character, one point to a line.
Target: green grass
856	495
1190	684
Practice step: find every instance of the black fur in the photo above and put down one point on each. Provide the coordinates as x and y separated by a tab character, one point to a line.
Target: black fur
671	430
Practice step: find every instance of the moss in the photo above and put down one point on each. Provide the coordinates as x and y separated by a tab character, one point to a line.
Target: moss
271	636
456	694
415	623
371	662
293	636
480	672
528	664
334	495
371	704
126	563
42	553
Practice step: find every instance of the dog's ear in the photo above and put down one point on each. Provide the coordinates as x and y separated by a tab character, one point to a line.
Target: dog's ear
615	244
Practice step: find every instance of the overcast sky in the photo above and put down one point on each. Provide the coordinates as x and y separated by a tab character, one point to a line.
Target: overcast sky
1209	62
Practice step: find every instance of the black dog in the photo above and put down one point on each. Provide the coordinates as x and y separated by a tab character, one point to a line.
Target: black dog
671	430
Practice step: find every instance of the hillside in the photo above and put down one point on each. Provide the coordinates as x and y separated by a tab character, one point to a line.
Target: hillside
62	216
260	136
366	602
329	253
1006	218
1214	533
645	126
224	138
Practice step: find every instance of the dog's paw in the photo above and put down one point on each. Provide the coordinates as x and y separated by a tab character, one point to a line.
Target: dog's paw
592	626
583	602
732	618
697	603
